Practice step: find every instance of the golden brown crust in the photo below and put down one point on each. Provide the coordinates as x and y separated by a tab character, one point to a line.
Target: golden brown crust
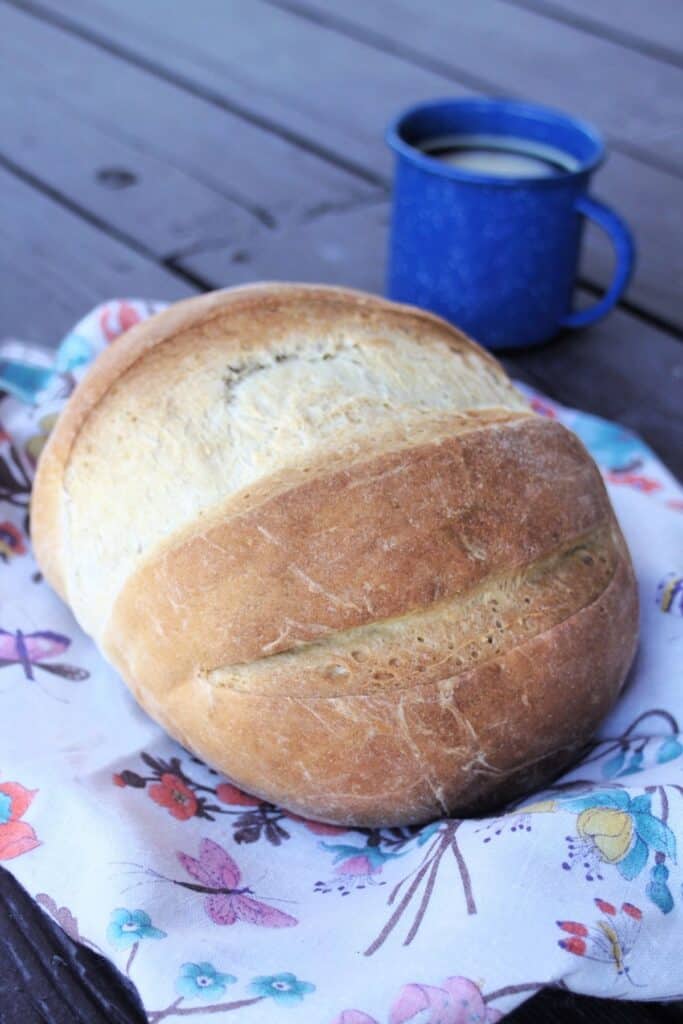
290	303
376	540
442	640
466	743
322	635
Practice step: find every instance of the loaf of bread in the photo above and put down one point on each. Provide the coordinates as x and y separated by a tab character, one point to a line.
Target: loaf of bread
332	551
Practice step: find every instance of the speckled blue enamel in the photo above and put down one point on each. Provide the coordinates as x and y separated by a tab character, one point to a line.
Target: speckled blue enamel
496	256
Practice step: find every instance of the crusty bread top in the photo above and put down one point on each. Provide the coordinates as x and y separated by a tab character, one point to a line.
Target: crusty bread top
235	393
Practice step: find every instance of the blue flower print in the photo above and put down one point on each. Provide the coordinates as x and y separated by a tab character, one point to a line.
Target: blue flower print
611	446
670	749
633	757
5	808
74	351
126	927
621	828
285	989
202	981
426	833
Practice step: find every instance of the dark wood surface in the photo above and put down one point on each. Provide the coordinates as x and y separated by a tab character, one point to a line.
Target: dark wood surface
148	151
648	28
379	57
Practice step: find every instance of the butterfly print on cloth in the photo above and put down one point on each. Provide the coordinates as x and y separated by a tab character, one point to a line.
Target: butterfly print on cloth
218	876
610	940
31	651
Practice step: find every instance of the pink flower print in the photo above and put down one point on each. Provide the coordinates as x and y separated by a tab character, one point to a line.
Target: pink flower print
646	484
358	867
354	1017
117	317
355	867
543	407
458	1001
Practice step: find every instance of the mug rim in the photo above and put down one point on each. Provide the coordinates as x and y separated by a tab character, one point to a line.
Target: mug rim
537	111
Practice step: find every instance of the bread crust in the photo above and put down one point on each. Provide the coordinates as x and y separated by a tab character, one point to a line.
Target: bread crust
462	745
240	631
375	540
190	316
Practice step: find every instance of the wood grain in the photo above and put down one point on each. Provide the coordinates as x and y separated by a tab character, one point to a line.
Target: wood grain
54	266
635	98
651	27
155	204
201	173
340	104
256	57
48	979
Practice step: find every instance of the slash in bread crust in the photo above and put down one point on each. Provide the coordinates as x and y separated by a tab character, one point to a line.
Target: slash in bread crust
329	547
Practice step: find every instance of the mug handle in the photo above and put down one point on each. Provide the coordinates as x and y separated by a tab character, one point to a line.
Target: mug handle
625	250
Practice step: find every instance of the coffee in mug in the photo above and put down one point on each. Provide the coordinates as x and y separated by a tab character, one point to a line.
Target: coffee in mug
499	156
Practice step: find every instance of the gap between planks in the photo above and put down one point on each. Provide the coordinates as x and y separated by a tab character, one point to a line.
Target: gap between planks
381	42
67	24
182	273
176	261
610	32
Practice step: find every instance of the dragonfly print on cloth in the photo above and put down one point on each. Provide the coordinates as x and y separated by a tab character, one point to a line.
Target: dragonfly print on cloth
217	877
33	650
610	940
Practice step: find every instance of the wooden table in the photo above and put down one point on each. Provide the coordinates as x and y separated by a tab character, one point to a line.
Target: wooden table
157	148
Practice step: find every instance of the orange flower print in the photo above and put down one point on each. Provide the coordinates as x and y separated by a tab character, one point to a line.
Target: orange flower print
171	792
229	794
16	836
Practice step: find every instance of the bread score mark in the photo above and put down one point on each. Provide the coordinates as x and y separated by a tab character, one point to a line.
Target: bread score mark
441	642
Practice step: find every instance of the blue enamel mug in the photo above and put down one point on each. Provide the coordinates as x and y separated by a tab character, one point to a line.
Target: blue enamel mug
489	201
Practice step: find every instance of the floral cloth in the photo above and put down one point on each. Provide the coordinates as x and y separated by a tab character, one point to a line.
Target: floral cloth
214	902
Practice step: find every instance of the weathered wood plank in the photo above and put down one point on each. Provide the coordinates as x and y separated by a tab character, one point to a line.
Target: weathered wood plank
341	101
255	53
311	249
652	204
614	369
47	978
67	118
163	209
338	97
655	27
493	42
537	58
336	247
54	266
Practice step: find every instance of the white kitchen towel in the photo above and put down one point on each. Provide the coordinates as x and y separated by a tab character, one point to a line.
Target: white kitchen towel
214	902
